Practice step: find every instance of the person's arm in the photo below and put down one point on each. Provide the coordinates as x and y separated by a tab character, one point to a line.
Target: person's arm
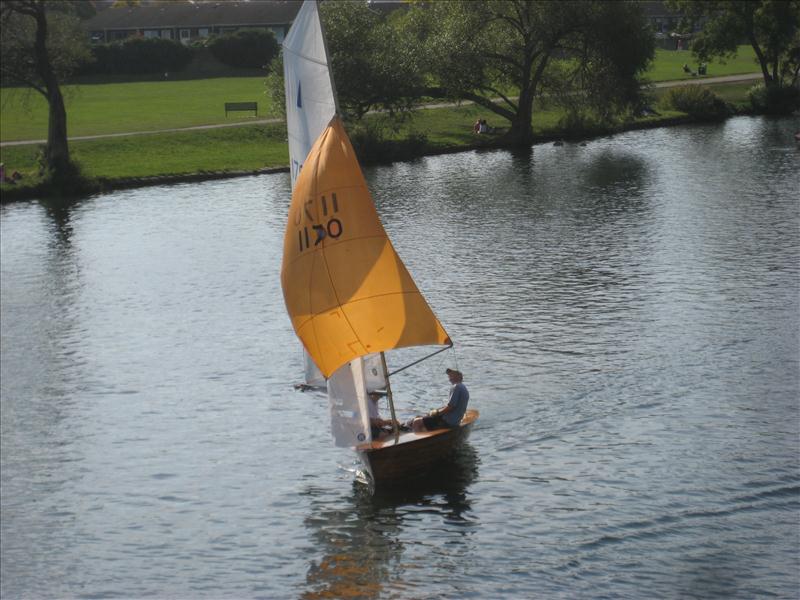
442	411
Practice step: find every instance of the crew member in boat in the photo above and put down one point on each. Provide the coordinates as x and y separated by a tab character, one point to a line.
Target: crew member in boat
450	415
378	426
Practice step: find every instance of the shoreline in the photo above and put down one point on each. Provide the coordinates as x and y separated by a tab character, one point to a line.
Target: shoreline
104	185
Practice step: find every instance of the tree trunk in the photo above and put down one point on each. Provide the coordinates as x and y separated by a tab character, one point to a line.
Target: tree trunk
57	149
521	131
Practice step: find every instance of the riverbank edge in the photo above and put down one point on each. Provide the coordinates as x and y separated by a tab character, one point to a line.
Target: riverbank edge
103	185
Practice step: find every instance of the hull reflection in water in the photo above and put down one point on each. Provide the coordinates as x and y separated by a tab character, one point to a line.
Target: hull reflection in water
360	535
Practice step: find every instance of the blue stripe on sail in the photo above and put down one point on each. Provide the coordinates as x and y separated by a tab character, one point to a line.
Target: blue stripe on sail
299	96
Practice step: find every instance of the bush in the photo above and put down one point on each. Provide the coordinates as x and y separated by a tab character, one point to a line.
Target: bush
247	48
774	100
582	123
697	101
372	144
139	56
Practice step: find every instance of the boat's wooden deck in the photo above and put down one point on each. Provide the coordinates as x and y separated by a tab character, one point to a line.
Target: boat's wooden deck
406	437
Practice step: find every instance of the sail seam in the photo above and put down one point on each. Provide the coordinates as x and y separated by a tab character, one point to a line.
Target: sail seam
332	243
365	298
306	57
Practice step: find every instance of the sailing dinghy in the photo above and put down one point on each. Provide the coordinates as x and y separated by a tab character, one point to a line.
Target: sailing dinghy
349	296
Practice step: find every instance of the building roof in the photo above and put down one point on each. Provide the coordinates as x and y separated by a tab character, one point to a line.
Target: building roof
655	8
197	13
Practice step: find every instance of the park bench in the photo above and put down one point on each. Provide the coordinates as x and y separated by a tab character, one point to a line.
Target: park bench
241	106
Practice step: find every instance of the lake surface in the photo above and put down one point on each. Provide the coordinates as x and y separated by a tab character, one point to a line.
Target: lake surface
627	316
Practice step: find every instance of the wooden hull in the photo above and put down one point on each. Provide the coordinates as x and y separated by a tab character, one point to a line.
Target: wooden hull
413	455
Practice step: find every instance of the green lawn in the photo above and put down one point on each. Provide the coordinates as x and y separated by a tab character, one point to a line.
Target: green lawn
141	106
668	65
153	105
228	149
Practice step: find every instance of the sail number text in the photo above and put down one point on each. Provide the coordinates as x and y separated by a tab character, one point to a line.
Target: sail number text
317	229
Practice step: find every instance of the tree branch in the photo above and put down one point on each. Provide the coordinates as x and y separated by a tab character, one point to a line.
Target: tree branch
15	75
487	103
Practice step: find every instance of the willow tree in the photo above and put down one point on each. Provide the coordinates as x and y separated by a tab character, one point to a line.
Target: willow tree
504	54
42	42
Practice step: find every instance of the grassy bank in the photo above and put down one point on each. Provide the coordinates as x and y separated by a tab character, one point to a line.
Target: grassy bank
116	161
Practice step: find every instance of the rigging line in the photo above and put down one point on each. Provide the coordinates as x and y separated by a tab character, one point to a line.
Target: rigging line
416	362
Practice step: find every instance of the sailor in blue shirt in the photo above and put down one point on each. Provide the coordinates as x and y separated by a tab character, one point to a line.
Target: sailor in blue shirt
448	416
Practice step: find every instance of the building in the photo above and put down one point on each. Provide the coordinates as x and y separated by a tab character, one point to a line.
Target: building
188	20
665	23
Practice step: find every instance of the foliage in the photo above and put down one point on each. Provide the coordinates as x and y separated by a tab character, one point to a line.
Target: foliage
136	55
697	101
67	45
592	53
274	87
373	140
775	100
246	48
771	27
373	65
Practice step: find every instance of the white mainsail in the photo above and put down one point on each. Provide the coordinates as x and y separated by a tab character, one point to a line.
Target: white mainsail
310	105
310	96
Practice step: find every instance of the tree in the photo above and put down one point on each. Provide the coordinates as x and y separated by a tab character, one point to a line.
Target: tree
514	50
42	42
372	65
771	27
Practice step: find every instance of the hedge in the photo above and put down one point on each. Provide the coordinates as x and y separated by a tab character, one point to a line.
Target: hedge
246	48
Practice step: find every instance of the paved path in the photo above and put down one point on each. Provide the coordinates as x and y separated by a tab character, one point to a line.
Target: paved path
660	84
711	80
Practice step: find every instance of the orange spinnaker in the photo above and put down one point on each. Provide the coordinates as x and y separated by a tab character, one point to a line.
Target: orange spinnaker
347	292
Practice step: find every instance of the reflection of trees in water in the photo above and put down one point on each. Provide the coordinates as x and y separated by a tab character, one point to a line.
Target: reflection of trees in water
616	181
60	212
359	535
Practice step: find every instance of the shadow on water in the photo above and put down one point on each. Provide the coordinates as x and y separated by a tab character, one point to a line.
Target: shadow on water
358	537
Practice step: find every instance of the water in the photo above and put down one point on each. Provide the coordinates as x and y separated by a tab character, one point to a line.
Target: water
627	316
